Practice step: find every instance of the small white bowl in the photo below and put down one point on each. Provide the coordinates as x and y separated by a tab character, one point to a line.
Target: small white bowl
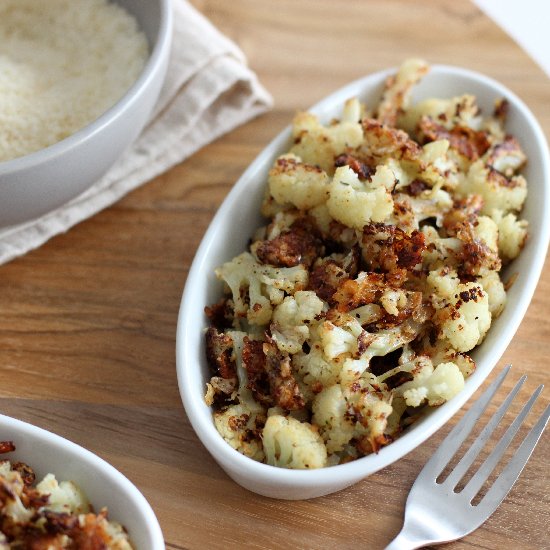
239	216
44	180
47	453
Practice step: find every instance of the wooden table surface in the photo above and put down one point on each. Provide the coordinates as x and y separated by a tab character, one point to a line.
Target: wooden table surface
88	321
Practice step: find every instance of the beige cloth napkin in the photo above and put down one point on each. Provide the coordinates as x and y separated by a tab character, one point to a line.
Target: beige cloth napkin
209	90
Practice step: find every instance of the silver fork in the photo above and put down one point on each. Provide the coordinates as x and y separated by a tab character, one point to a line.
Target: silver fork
434	511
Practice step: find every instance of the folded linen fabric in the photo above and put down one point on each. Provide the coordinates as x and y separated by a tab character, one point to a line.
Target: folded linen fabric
209	90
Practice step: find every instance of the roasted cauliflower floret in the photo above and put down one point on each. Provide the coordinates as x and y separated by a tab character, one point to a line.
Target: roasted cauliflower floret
300	309
240	427
369	408
352	412
440	251
378	344
289	443
492	285
436	386
319	145
65	496
487	231
382	142
441	351
396	96
289	327
506	156
329	413
512	234
343	336
11	488
315	369
470	242
498	191
264	286
462	310
458	110
295	182
355	203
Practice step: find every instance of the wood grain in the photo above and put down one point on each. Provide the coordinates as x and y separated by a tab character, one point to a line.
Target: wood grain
88	321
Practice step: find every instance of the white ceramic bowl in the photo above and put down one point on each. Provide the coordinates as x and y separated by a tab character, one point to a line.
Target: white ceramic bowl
47	453
235	223
41	181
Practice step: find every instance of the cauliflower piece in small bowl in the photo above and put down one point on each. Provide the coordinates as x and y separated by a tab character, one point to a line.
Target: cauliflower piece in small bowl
332	192
74	478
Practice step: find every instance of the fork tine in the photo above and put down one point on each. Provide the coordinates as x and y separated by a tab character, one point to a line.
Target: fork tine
460	432
479	478
466	461
502	485
434	512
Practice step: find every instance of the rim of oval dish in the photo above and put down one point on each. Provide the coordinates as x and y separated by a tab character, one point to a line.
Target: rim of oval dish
163	42
186	356
89	459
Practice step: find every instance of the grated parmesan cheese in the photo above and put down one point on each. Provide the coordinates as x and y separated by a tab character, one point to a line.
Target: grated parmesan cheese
63	63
